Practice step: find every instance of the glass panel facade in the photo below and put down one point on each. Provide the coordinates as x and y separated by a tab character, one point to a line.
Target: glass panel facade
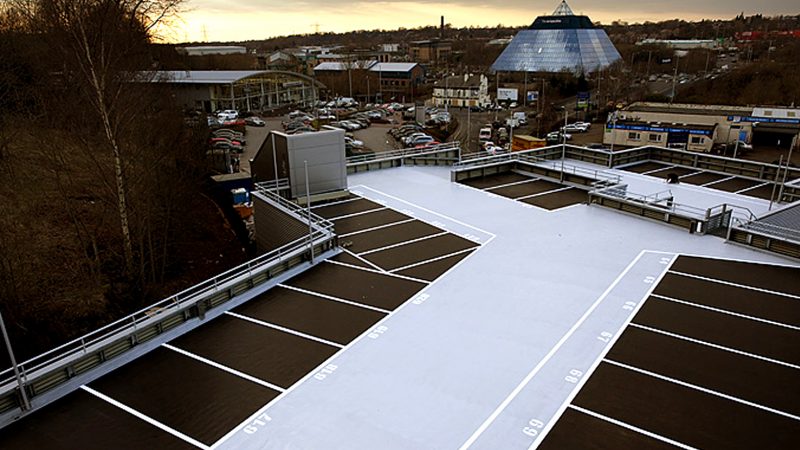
554	50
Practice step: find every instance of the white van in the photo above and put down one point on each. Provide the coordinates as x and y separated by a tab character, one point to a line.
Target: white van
485	134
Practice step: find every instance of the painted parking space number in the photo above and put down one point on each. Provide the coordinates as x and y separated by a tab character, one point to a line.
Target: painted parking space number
533	428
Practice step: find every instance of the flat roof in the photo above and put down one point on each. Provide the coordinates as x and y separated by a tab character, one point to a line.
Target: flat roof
204	76
686	108
393	67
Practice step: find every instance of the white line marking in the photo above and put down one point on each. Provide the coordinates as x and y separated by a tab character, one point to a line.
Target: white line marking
500	186
285	330
658	170
335	299
587	375
730	283
690	173
400	244
429	211
337	354
339	202
361	213
377	268
380	272
725	311
702	389
716	181
712	345
224	368
489	420
539	194
146	418
400	269
752	187
752	261
632	428
379	227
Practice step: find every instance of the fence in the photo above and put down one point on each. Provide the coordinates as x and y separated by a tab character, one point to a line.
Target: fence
441	154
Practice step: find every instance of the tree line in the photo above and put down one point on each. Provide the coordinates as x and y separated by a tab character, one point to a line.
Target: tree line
100	174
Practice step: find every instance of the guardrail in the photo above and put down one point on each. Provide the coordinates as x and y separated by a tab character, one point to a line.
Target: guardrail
660	201
405	153
56	367
278	185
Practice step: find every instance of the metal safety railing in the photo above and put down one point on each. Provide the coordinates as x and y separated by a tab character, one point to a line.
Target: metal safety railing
661	201
604	177
404	153
57	366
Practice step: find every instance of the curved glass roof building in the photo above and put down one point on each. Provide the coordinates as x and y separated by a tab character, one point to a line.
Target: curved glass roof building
561	41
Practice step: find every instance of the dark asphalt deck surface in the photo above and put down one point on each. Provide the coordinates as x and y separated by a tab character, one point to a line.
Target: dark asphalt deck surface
578	431
734	184
704	378
334	321
433	270
495	180
185	394
703	178
346	208
367	220
407	254
392	235
557	200
531	186
86	422
679	171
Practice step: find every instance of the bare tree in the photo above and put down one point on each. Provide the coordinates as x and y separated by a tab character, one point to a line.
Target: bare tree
104	44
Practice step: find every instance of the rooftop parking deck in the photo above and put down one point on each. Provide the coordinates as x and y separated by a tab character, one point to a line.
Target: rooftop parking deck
458	318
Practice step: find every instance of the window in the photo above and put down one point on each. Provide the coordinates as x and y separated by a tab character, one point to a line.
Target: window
633	136
791	114
767	113
655	138
697	139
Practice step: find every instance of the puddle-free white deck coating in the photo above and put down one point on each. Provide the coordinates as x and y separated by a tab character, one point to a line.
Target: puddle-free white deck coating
490	346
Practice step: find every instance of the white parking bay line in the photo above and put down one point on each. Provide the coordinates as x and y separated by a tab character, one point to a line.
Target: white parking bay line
631	427
400	244
224	368
146	418
701	389
285	329
335	299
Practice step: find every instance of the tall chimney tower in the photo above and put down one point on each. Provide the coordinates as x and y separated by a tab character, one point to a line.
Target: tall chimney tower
441	28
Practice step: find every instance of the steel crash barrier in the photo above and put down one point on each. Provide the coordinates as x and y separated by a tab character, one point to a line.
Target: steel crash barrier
82	357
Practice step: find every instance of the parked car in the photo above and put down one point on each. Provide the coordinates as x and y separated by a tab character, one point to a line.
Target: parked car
575	128
255	121
484	134
228	114
410	138
557	136
421	140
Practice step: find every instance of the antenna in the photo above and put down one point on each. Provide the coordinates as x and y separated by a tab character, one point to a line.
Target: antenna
316	27
205	33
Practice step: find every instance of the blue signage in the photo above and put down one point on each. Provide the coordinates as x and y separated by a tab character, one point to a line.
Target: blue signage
763	119
622	126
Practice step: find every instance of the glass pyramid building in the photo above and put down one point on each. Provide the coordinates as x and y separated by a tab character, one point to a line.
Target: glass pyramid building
561	41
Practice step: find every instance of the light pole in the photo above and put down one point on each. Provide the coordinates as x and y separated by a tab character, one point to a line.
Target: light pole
26	404
308	212
613	128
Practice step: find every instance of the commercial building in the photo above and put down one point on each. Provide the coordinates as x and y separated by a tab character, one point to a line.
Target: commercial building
430	51
371	78
682	44
701	127
561	41
203	50
462	90
244	90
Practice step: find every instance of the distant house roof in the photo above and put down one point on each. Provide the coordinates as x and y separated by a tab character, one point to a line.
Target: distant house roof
393	67
203	76
212	50
341	67
458	81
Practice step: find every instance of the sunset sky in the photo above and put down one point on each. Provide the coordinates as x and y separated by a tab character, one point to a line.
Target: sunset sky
237	20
